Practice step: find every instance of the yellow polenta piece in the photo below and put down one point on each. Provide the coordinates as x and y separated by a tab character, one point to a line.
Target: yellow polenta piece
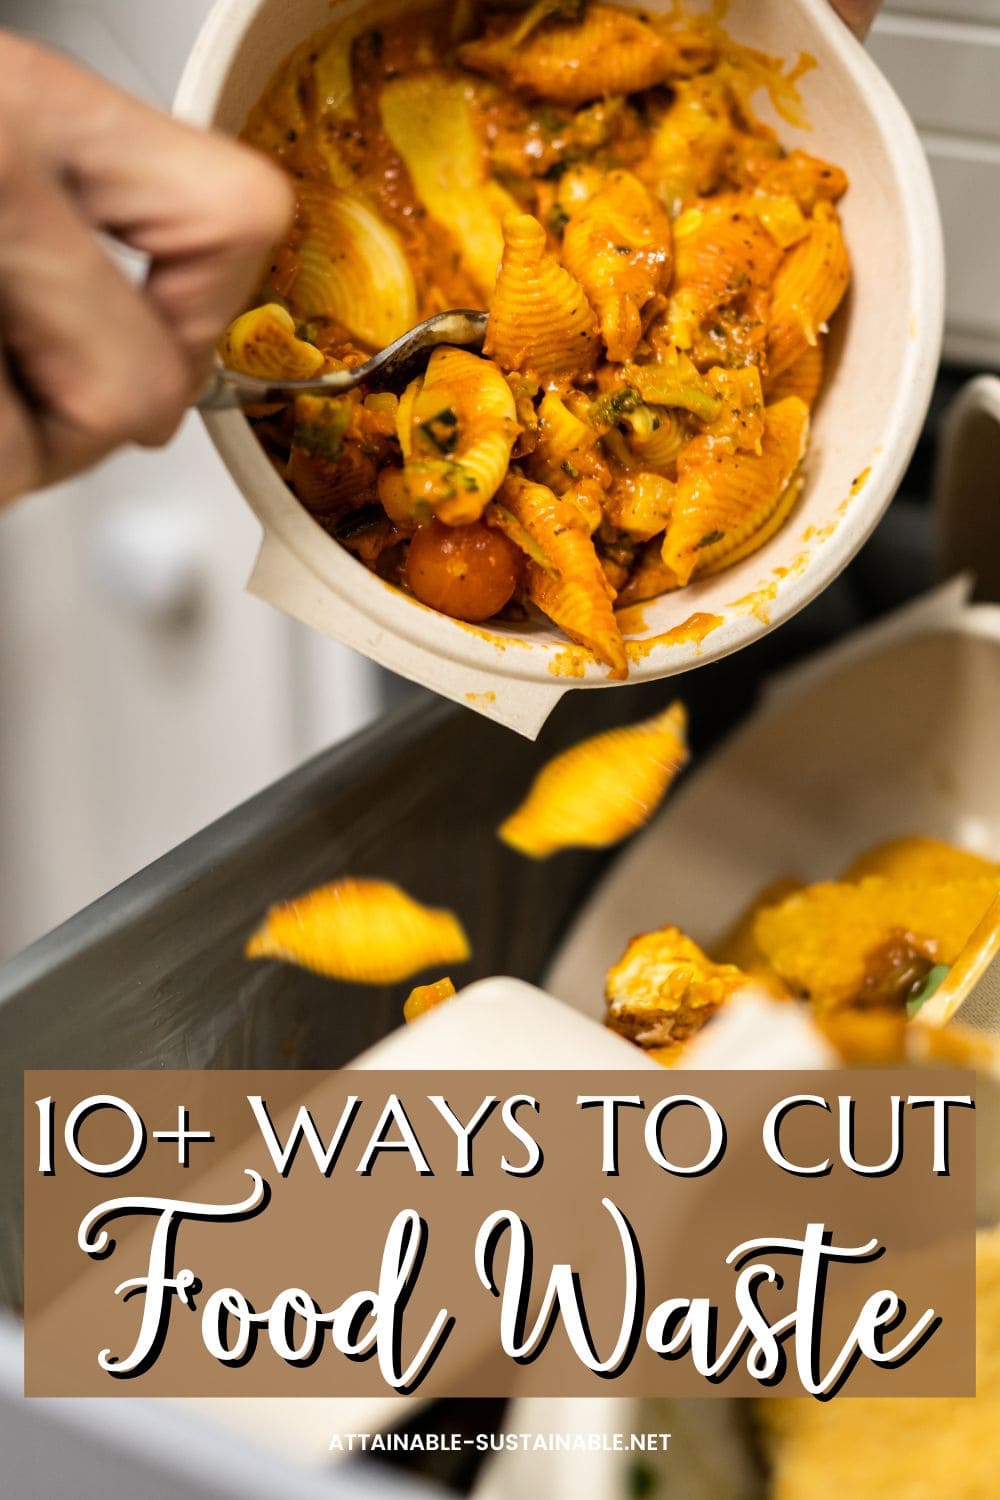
919	860
740	945
664	988
821	940
600	790
362	931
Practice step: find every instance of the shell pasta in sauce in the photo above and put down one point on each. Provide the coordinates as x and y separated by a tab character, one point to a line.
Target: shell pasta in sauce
659	274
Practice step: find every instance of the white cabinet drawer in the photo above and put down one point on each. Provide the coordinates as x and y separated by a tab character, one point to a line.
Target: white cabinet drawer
947	74
967	177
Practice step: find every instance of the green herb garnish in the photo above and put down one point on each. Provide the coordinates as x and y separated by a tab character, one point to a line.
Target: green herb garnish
322	435
442	431
608	410
709	539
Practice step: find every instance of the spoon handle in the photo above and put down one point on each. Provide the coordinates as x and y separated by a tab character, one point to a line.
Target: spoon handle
229	391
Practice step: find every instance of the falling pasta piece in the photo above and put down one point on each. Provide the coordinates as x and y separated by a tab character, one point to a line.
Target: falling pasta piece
263	343
427	997
664	988
360	931
601	790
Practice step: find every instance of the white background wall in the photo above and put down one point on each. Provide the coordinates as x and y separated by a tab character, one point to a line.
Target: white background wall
943	56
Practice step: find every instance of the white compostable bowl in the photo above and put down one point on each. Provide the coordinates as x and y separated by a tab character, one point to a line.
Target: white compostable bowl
878	387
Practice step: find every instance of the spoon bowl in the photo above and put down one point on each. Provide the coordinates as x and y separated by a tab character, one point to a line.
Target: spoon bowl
391	367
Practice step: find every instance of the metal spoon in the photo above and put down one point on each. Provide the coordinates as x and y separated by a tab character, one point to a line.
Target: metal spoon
393	365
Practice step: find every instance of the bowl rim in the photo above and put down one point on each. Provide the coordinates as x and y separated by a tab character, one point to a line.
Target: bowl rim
517	653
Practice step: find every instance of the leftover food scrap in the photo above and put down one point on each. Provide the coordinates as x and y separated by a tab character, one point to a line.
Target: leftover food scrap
863	952
659	273
425	997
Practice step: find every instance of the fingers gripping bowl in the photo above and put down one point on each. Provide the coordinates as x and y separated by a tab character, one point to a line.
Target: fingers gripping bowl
880	361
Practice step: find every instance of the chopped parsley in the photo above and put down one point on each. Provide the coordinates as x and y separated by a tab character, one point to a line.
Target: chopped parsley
442	431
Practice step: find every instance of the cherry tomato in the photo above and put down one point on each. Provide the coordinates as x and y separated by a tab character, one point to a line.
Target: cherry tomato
468	572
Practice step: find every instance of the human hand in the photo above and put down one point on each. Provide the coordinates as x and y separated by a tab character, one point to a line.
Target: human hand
91	360
859	14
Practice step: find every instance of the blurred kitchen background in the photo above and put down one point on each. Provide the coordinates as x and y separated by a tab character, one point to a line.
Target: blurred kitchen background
143	693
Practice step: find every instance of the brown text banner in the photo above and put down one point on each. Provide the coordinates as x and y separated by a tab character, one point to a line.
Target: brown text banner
486	1233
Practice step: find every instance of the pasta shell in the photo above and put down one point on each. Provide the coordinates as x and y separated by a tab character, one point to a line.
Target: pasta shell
289	121
650	577
725	261
360	931
805	178
722	253
567	447
425	997
540	320
663	989
690	145
740	418
352	269
601	790
428	118
725	496
726	558
804	378
807	290
457	425
263	343
639	504
618	247
573	592
609	51
781	216
659	450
